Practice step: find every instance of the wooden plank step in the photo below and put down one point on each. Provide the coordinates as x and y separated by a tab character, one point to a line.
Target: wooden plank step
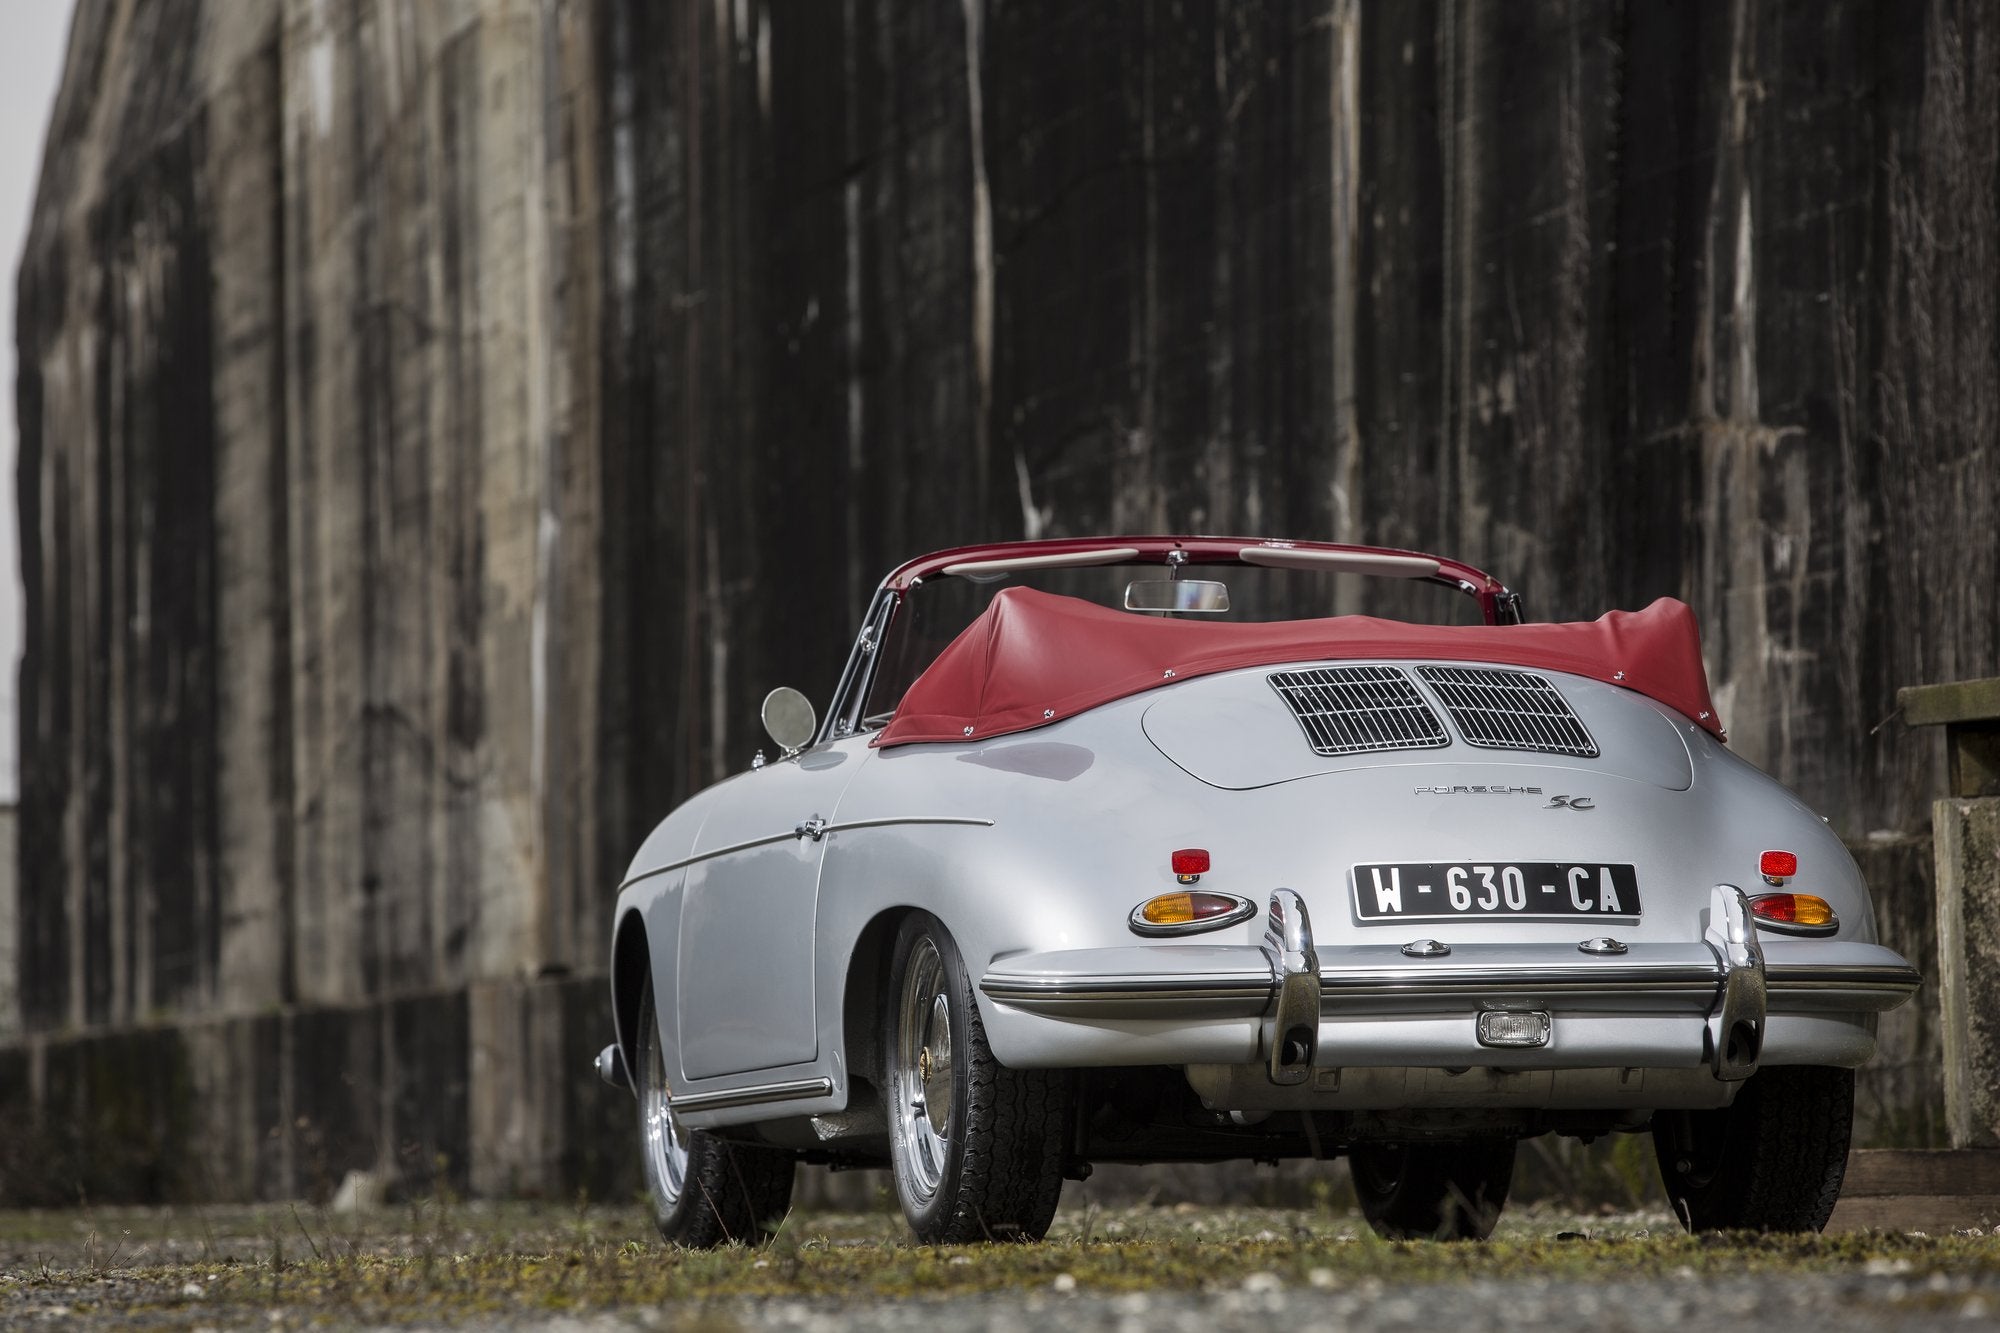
1935	1191
1932	1214
1950	1172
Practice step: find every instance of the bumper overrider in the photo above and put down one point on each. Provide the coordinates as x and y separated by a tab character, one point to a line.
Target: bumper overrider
1712	1002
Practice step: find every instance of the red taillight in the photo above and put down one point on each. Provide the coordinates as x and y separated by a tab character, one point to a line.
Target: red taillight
1191	861
1778	865
1811	914
1780	907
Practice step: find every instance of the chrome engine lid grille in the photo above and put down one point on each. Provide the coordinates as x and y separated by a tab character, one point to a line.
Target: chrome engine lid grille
1509	710
1347	710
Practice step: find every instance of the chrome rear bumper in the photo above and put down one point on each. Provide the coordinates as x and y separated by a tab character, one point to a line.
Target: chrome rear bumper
1729	982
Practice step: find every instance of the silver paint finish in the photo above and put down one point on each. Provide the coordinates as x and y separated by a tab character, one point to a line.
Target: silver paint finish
1243	1088
1064	834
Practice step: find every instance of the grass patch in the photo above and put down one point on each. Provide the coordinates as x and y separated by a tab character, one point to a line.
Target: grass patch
449	1265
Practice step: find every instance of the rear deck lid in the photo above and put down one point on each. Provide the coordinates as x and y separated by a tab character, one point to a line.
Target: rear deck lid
1469	722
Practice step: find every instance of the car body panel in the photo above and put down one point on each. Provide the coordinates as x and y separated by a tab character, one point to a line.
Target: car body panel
754	872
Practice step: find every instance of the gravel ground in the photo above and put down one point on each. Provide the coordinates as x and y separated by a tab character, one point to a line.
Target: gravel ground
1824	1302
1138	1269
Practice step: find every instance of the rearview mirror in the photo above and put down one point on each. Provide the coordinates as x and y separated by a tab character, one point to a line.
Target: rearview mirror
1200	596
789	718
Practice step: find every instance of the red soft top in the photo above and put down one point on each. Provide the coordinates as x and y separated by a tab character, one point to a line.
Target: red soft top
1032	658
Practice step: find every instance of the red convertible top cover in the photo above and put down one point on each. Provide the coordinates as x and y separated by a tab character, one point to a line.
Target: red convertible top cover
1032	658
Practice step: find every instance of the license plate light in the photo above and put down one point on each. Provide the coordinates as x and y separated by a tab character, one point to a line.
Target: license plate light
1514	1027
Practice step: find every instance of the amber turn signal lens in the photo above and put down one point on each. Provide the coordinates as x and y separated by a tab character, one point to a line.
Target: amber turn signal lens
1173	912
1793	909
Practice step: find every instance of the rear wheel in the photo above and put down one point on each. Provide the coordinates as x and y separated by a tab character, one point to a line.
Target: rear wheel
705	1191
1433	1191
976	1147
1772	1160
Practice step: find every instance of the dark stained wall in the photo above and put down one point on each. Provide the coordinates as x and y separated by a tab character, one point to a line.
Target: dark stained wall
442	423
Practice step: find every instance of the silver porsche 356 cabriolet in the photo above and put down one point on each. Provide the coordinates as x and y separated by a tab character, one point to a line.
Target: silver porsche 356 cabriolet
1132	850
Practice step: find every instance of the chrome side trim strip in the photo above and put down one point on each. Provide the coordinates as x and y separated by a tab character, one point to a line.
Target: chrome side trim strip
791	834
1849	976
1689	979
840	825
1164	990
691	1102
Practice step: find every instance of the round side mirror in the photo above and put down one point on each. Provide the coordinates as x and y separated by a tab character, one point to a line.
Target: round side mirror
789	718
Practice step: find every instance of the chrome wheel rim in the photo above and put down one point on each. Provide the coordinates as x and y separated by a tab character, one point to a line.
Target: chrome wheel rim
663	1141
923	1077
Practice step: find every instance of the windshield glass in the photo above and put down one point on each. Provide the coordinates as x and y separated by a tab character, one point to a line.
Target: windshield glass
936	611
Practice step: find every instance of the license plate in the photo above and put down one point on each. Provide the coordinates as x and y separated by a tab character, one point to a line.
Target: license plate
1506	891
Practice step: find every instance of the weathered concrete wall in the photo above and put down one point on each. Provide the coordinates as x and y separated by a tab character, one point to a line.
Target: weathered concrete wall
10	929
452	1089
442	422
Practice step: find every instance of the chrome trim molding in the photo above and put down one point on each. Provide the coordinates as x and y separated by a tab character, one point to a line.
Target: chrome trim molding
1831	926
1694	982
841	826
1807	932
688	1103
800	831
1807	977
1032	992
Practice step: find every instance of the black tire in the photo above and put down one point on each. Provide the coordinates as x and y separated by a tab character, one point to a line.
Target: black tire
1433	1191
1772	1160
705	1191
987	1165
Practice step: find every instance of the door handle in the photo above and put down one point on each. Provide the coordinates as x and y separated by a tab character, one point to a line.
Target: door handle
814	828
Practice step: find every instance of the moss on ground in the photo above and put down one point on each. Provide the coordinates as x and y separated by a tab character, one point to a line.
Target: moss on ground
431	1264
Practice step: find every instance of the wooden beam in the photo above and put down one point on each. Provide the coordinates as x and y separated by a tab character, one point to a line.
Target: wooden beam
1881	1172
1932	1214
1960	701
